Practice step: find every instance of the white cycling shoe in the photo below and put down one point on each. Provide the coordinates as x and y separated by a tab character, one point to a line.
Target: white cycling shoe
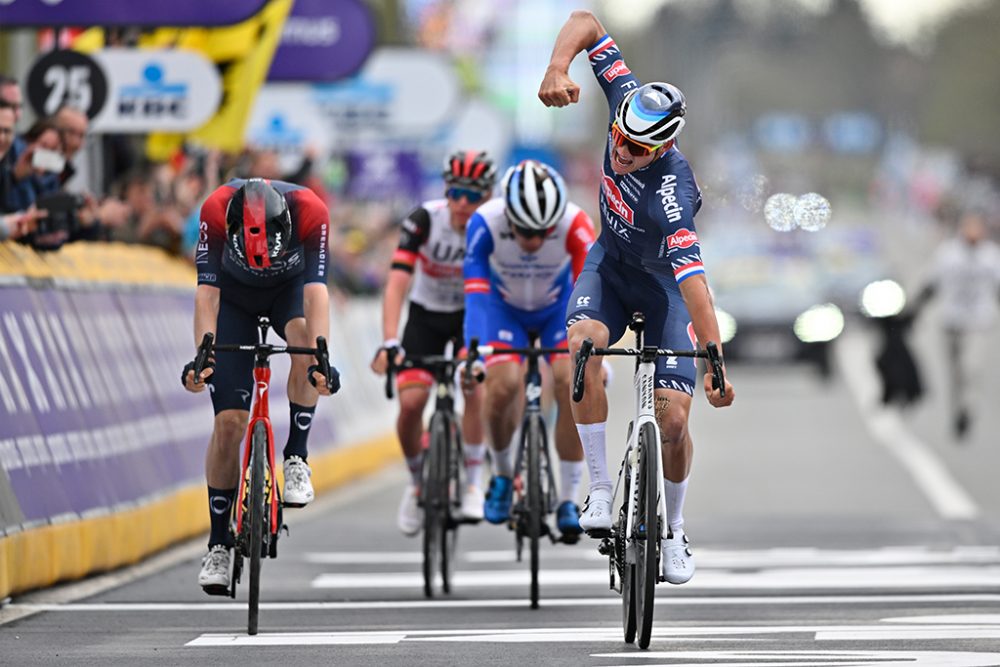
410	518
677	559
298	486
216	570
472	503
596	516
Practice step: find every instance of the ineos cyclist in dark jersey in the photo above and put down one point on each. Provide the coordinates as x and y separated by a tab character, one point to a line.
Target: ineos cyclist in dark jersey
263	250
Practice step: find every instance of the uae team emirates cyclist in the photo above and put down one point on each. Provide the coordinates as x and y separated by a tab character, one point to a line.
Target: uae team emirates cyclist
263	251
647	259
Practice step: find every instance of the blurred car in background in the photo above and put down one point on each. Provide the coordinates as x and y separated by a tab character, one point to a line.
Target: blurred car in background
786	297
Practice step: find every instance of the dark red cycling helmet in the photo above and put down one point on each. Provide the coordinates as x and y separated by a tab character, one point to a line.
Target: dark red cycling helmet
470	169
258	223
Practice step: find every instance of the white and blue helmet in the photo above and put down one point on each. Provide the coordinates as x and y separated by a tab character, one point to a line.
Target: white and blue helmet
535	195
652	114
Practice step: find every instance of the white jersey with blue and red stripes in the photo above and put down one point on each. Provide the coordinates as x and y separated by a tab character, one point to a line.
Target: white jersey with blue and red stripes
647	216
496	266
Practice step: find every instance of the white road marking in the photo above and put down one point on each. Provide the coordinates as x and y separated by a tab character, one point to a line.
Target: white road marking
609	633
949	577
707	557
969	619
610	600
945	494
813	658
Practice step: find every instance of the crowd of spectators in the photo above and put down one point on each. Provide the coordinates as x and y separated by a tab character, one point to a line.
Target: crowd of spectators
158	203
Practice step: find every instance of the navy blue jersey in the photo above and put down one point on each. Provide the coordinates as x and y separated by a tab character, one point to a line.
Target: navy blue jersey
307	254
647	216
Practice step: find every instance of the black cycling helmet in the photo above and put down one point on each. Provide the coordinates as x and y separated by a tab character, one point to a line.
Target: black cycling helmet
258	223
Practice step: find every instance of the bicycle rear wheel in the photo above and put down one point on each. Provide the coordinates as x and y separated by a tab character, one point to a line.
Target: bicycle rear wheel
255	545
435	496
534	434
647	537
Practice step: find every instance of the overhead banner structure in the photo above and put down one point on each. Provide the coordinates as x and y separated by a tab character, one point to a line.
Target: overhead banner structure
242	54
323	41
19	13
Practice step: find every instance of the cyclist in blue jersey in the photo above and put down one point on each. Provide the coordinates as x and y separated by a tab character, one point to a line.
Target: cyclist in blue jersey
524	250
263	250
646	259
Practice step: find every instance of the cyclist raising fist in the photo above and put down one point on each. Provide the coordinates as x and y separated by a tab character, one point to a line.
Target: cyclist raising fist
647	259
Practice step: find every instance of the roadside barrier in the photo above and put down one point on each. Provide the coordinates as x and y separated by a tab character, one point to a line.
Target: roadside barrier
101	450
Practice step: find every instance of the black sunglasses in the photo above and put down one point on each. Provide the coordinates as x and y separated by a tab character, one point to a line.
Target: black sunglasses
526	233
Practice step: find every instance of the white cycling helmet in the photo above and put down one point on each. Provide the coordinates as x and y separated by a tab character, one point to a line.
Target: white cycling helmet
652	114
535	195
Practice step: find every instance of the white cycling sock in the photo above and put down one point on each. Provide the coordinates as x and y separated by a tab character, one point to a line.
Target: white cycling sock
415	464
474	455
502	463
570	474
592	439
675	503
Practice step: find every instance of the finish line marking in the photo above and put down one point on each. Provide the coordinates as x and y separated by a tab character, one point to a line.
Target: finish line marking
608	601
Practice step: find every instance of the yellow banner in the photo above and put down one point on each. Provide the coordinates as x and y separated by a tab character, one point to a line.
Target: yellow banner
243	54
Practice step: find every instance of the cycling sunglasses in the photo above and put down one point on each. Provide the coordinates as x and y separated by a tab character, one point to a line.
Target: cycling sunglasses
526	233
636	148
472	196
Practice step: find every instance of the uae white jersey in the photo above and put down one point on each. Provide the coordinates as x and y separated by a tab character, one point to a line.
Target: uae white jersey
434	251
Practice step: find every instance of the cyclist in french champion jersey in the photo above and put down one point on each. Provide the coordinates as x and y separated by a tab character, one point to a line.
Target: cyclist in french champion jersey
525	250
263	250
428	265
647	259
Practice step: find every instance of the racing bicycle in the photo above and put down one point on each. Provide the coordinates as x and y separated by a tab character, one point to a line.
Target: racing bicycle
535	491
256	521
633	543
441	478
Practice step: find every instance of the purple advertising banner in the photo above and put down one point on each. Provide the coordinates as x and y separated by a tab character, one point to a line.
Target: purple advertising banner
15	13
386	176
323	41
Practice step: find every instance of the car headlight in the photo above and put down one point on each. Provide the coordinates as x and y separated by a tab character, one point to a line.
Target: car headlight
819	324
727	325
883	298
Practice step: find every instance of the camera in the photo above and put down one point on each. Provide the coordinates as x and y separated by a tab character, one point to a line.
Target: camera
61	207
48	160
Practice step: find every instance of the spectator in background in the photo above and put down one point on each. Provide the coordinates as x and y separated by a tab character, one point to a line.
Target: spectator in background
72	125
14	224
10	96
965	272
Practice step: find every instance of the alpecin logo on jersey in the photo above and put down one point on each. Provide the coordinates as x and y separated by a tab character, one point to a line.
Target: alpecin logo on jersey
615	200
617	69
682	238
668	198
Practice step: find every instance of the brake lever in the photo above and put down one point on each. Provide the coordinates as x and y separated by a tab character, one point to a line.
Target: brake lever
201	358
718	375
390	371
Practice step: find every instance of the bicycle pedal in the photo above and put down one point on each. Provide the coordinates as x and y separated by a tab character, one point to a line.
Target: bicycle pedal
294	505
569	538
606	548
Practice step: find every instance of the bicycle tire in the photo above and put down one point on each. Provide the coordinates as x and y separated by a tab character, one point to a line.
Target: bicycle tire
434	492
646	565
533	435
452	492
626	570
255	546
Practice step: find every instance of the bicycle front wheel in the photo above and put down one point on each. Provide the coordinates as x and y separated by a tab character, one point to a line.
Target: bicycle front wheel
647	533
453	492
534	434
256	509
434	492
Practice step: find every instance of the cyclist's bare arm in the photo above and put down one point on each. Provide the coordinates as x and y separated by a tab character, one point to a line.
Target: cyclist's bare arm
581	30
698	300
206	315
396	289
316	306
